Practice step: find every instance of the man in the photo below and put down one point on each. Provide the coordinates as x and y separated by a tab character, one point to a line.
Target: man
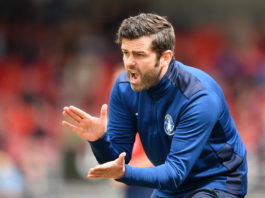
180	113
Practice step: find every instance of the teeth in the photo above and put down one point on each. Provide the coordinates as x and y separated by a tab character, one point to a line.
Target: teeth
133	74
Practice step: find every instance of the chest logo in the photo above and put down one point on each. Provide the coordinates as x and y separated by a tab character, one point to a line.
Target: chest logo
169	125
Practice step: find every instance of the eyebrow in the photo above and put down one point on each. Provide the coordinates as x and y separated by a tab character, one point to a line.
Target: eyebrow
134	51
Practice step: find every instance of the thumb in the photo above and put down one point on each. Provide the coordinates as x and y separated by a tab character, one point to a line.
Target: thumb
104	112
121	159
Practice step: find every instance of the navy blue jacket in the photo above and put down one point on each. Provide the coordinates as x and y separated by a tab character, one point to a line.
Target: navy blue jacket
186	130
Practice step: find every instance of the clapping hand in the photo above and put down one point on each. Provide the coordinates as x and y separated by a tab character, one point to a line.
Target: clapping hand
84	125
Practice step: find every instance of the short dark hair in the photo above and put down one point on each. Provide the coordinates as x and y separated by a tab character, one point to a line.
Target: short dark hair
147	24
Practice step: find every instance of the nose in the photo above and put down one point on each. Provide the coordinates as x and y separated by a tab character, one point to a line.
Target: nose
129	61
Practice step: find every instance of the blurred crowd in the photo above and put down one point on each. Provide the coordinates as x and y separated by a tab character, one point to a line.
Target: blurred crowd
57	60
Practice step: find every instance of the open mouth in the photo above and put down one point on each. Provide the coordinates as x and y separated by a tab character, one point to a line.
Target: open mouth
134	77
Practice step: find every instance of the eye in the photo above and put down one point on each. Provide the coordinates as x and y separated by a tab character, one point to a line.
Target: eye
124	52
139	54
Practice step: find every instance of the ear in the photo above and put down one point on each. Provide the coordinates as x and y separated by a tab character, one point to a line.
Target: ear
166	58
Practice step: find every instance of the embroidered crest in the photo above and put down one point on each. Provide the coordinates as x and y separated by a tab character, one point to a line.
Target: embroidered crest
169	125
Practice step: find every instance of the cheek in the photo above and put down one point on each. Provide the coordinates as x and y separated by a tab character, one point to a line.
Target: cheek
152	66
124	61
148	65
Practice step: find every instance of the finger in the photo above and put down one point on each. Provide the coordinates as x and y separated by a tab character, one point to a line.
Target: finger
101	168
93	176
104	112
70	118
74	115
94	172
69	126
121	159
97	172
104	173
98	169
78	111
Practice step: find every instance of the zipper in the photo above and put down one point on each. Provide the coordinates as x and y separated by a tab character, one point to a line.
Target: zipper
154	117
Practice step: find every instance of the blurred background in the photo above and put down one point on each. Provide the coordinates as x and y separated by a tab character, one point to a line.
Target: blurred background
61	52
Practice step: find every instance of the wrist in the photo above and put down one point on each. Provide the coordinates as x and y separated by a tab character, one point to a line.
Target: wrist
102	137
127	175
122	174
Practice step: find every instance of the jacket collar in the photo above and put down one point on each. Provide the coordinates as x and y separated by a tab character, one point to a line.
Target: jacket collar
162	87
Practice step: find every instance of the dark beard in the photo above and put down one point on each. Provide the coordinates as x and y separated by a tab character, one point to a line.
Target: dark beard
149	80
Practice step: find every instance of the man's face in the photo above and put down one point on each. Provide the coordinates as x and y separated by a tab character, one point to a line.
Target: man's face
141	63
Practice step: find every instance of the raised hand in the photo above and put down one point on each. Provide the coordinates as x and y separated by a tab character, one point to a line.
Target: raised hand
113	169
84	125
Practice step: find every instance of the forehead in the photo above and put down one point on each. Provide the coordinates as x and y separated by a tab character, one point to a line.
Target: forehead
139	44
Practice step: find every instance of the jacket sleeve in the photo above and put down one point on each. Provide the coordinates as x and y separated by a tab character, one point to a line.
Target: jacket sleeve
196	122
121	128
